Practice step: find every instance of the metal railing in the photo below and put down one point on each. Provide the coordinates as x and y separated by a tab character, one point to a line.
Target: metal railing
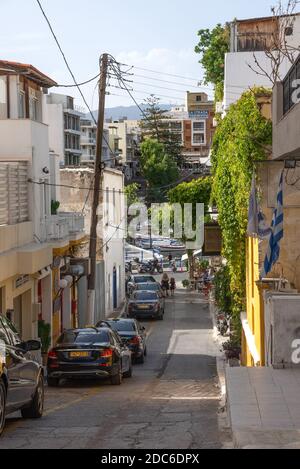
61	226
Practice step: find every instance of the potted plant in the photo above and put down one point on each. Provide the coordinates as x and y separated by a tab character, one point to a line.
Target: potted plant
55	204
232	351
44	331
186	283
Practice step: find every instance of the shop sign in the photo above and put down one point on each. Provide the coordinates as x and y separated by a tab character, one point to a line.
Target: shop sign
20	281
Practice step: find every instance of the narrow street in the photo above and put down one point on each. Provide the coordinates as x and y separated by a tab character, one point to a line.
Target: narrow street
172	401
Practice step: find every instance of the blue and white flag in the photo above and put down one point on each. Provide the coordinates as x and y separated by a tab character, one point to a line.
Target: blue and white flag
277	232
257	225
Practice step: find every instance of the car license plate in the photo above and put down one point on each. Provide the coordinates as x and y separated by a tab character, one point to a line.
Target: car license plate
79	354
143	307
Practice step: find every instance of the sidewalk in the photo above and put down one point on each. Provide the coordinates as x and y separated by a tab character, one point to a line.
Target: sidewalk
263	407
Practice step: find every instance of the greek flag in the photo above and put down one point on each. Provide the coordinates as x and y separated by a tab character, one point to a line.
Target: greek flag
257	226
273	251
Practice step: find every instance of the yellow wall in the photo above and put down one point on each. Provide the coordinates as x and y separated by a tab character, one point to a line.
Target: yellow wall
255	308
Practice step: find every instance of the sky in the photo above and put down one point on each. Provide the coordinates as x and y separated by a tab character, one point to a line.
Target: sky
158	35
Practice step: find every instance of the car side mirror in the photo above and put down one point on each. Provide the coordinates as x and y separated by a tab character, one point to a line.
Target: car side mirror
31	346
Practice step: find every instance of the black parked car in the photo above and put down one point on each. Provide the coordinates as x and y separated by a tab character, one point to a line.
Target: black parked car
89	353
146	305
21	379
132	334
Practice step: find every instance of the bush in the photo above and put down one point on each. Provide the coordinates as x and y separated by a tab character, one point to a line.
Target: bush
222	290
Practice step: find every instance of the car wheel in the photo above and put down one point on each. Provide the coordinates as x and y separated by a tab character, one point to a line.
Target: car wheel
116	380
53	382
2	405
141	359
128	373
35	411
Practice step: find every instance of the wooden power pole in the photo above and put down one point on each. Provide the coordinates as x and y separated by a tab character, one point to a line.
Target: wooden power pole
97	192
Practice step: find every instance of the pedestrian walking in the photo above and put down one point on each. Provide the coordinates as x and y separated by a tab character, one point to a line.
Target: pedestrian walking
173	286
165	284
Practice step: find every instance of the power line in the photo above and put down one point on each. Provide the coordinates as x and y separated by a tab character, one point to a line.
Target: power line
159	72
79	84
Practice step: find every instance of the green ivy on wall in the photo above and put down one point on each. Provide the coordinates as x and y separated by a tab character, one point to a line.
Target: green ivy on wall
240	140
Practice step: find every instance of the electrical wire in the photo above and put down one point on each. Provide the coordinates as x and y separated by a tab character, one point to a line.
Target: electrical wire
79	84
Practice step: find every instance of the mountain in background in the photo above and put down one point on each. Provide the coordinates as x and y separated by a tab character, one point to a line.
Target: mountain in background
131	112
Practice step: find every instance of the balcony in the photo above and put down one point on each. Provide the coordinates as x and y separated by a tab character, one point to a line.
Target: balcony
88	141
64	226
75	221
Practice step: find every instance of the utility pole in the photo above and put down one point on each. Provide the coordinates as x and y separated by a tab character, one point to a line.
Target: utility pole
97	192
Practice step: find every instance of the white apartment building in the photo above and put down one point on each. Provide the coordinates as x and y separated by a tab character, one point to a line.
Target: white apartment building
249	39
25	253
110	278
33	240
88	138
64	128
125	135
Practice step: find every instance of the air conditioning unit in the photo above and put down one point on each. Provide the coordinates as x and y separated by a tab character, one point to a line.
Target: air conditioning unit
282	328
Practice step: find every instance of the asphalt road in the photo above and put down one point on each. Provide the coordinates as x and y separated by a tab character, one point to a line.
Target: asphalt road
171	401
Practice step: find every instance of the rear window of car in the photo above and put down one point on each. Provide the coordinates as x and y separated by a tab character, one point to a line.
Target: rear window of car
145	295
144	279
81	337
148	287
122	326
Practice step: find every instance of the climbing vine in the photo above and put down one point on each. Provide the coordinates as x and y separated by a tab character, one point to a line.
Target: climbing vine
242	138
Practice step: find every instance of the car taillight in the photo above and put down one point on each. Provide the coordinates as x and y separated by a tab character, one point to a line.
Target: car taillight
135	341
106	353
52	355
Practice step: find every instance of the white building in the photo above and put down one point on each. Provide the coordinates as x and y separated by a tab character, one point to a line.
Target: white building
25	253
249	39
126	137
64	128
110	290
88	142
33	240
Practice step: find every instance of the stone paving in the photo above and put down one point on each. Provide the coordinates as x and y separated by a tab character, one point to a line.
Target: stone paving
172	401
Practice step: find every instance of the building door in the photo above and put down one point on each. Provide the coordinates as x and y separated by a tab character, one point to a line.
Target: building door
115	288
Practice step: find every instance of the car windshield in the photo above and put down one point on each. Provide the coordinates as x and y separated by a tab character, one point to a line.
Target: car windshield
122	326
148	287
84	337
145	295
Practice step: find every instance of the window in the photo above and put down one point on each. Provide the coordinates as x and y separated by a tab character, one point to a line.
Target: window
22	111
199	133
198	98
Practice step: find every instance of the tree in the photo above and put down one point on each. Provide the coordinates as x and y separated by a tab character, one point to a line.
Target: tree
156	125
131	193
213	45
194	192
277	47
158	168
